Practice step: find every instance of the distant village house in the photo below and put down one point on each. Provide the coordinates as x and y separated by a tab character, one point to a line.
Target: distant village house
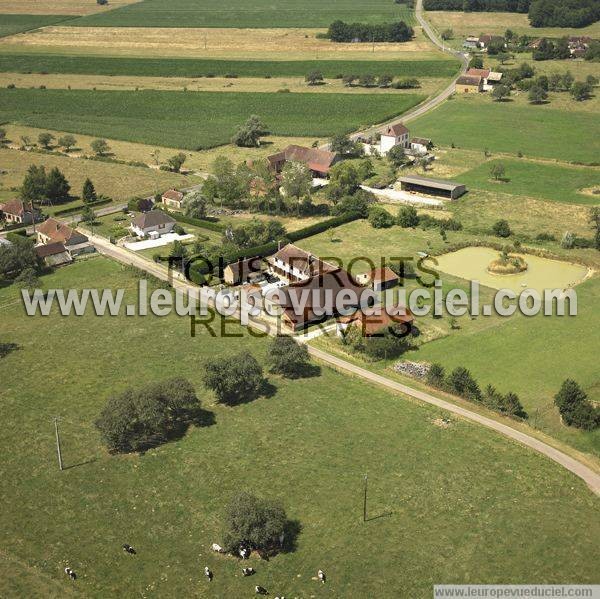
18	212
173	199
319	162
52	231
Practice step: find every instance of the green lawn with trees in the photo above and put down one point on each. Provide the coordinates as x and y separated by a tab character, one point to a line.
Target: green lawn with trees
198	67
428	483
478	123
195	120
236	13
534	179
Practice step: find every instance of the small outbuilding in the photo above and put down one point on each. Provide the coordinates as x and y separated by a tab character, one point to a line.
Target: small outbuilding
383	278
469	84
434	187
173	199
54	254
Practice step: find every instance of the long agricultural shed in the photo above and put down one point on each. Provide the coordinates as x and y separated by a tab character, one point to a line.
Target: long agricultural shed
436	187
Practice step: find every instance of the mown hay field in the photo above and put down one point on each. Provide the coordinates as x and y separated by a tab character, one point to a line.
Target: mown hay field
238	13
187	67
427	484
240	44
117	181
475	23
195	120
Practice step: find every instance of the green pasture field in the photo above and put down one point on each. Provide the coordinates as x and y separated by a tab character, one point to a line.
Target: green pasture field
195	120
11	24
190	67
478	123
455	505
237	13
538	180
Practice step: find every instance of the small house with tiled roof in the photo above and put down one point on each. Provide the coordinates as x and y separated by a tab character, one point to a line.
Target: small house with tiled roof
53	231
17	212
152	224
173	199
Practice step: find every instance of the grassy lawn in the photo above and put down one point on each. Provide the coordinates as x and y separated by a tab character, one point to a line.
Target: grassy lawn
17	23
236	13
195	120
478	123
309	445
116	181
188	67
547	181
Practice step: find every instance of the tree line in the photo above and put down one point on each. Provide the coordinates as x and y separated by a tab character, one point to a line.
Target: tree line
339	31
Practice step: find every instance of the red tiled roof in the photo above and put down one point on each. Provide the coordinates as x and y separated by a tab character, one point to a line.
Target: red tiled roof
385	274
396	130
302	260
173	194
315	159
60	232
14	207
380	319
50	249
478	73
464	80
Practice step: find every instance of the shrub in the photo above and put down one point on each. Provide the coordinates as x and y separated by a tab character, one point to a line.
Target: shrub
380	218
436	375
501	228
407	217
288	357
575	408
235	379
138	419
254	522
462	382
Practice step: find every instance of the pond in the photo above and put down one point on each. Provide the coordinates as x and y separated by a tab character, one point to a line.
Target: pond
542	273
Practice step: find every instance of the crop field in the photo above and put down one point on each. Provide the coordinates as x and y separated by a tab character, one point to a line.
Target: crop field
237	13
239	44
116	181
187	67
427	483
58	7
548	181
478	123
11	24
195	119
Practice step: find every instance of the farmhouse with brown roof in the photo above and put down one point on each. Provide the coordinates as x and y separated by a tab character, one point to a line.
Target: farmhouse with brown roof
17	212
318	161
53	231
296	264
393	135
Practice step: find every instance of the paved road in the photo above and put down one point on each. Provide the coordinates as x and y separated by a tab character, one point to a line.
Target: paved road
591	477
435	101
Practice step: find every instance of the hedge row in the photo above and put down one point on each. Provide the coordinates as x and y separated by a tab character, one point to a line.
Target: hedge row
198	222
79	207
270	248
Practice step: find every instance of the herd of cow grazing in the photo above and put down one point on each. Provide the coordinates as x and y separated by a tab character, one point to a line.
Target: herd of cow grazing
244	553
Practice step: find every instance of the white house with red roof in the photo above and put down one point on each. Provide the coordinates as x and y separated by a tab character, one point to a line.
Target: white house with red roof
393	135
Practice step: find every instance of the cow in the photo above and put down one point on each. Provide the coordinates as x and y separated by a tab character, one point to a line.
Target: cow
248	571
70	573
208	573
321	576
216	547
129	549
260	590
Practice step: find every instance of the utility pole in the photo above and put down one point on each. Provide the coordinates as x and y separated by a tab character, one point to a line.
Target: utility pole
365	501
60	462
